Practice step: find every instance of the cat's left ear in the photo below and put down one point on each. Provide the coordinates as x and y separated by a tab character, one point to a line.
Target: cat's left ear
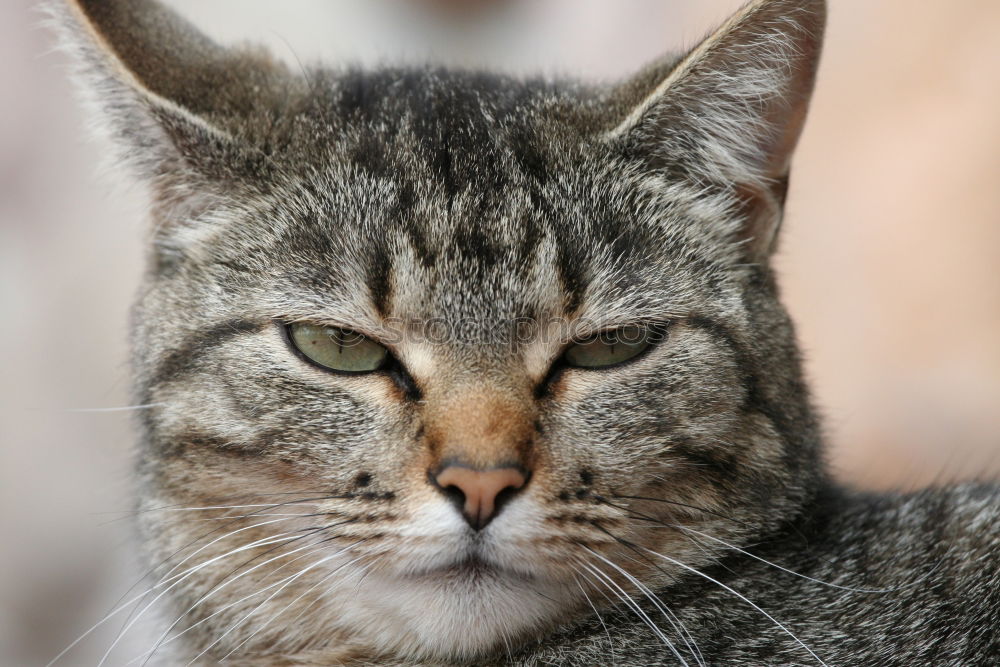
185	113
730	112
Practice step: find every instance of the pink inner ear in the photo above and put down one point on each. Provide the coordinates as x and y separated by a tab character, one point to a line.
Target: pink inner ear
761	209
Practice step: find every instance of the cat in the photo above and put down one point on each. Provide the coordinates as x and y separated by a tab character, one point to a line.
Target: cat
453	367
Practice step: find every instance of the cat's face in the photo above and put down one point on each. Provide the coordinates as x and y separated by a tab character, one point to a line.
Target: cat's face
476	231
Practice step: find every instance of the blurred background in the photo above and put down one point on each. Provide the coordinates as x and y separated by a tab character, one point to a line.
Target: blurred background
889	258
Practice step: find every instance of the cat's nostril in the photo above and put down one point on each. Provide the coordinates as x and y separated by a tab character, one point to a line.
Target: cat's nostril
480	494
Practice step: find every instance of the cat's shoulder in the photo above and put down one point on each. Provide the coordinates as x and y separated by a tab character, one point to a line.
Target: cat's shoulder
970	504
952	529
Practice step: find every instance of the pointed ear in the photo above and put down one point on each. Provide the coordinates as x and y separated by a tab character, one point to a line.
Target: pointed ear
730	112
182	110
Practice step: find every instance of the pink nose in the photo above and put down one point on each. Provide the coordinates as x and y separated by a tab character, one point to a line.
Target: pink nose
480	493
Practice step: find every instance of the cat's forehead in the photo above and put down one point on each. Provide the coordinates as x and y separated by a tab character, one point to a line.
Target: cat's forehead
527	249
460	195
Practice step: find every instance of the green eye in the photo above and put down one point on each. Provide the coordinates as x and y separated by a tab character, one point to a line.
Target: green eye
609	348
338	349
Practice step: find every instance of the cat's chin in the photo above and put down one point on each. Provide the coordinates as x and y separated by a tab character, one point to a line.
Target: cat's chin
460	610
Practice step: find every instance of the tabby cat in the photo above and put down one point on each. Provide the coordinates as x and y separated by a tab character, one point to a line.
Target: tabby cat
444	367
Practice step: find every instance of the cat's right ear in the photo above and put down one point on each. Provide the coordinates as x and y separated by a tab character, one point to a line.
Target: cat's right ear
179	107
727	115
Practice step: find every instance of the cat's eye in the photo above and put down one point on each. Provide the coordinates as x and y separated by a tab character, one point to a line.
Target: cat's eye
610	348
338	349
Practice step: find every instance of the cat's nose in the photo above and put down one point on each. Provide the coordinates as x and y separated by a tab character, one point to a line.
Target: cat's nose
480	494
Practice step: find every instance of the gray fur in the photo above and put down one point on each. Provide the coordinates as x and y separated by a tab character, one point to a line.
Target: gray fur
473	200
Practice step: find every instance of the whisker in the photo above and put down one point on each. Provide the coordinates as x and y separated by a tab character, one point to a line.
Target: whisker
805	539
232	507
734	592
688	529
634	606
615	604
673	502
674	622
226	517
123	408
124	514
118	607
600	619
718	583
669	614
798	574
196	540
162	642
166	576
318	493
244	516
368	570
287	606
270	597
182	576
226	580
636	515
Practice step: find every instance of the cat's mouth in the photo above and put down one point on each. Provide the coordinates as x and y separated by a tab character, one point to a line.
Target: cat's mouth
473	567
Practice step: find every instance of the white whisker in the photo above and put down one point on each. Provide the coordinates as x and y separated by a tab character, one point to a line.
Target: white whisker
742	597
167	576
797	574
123	408
269	598
122	606
287	606
196	552
634	606
175	508
162	642
611	644
674	622
367	569
180	578
249	516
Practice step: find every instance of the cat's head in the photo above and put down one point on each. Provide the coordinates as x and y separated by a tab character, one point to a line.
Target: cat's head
456	350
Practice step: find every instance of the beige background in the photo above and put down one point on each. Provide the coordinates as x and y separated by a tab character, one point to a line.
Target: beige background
889	257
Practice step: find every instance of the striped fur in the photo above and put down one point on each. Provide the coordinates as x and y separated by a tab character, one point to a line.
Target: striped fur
435	210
